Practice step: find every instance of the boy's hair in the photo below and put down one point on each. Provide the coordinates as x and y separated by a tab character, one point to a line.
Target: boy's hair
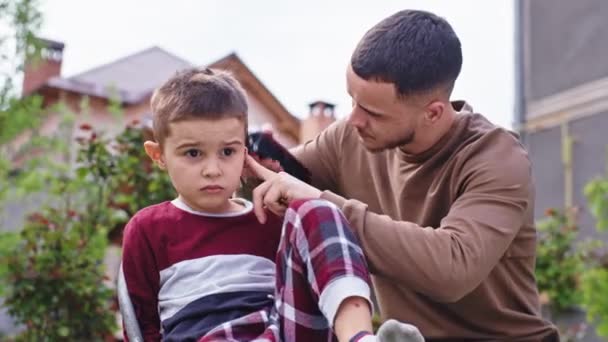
415	50
197	93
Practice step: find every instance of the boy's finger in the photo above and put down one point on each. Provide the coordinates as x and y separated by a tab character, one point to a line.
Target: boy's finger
259	170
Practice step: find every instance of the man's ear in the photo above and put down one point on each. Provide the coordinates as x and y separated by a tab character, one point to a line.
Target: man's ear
155	152
434	111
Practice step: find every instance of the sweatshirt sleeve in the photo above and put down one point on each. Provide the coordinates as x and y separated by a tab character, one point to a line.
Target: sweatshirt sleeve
448	262
142	279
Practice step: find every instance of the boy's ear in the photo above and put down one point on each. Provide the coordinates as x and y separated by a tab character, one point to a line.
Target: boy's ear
245	161
155	152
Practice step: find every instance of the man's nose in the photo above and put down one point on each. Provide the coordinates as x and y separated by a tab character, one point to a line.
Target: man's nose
356	118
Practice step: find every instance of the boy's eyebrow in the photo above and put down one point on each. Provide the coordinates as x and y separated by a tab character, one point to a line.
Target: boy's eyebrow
234	142
198	144
188	144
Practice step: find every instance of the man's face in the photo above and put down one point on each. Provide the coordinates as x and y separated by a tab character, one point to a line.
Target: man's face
382	119
205	160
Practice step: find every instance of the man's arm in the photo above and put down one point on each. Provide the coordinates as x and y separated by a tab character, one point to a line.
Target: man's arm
444	263
448	262
142	279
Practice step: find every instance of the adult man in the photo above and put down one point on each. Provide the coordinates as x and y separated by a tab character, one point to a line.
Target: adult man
440	199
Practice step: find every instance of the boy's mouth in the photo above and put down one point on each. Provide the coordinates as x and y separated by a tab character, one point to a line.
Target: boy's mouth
212	188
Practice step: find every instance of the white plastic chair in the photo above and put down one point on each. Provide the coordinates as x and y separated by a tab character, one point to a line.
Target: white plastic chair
131	325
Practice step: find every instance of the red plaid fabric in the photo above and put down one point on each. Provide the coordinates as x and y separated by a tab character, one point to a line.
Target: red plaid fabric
317	248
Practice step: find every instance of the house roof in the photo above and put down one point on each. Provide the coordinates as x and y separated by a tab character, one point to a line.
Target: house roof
132	79
286	121
129	79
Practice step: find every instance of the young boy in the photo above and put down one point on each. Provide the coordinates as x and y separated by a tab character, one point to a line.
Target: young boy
202	268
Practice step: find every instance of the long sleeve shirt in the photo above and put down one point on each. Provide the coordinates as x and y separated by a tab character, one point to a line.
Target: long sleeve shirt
449	233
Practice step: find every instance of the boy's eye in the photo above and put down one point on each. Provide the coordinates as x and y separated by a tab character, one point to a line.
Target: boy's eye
193	153
226	152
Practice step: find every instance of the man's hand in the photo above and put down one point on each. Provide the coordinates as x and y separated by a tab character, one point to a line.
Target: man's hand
277	190
268	163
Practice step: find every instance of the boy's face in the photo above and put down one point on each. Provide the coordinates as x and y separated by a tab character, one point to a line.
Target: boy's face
204	159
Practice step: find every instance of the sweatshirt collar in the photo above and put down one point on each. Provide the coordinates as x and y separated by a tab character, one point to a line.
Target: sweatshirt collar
449	138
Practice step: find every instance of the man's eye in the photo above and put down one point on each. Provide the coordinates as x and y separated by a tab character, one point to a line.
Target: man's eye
227	152
193	153
372	114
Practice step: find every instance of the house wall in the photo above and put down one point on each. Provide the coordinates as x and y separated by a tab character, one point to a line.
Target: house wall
589	160
563	42
259	116
544	148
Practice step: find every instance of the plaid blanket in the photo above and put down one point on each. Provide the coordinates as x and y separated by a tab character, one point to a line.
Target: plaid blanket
317	249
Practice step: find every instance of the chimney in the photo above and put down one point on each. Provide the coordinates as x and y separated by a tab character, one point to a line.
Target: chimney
41	68
321	115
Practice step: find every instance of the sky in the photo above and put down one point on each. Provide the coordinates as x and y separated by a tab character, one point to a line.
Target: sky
298	49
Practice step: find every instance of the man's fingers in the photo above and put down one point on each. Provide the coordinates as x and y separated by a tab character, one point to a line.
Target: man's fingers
273	199
268	163
258	200
258	170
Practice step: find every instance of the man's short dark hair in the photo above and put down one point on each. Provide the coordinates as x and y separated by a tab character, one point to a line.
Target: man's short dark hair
416	50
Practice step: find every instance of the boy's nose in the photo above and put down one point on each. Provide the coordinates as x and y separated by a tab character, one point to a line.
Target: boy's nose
211	169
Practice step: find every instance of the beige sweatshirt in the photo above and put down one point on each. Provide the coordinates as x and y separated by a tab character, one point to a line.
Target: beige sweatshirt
449	234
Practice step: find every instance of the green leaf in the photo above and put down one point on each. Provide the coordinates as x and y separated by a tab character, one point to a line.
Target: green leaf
64	331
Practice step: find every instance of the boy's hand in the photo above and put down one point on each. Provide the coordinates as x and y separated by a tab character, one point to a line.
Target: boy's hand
277	190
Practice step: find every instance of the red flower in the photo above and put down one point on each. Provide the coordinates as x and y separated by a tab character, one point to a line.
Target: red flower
86	127
37	217
56	273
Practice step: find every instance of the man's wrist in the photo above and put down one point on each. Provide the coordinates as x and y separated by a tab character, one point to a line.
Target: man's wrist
318	194
333	198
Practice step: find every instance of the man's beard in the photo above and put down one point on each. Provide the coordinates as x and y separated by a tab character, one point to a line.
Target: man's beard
398	142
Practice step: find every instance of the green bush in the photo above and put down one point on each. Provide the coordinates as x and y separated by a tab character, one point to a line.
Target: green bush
594	286
596	192
51	270
594	282
56	279
132	181
558	264
135	182
53	275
